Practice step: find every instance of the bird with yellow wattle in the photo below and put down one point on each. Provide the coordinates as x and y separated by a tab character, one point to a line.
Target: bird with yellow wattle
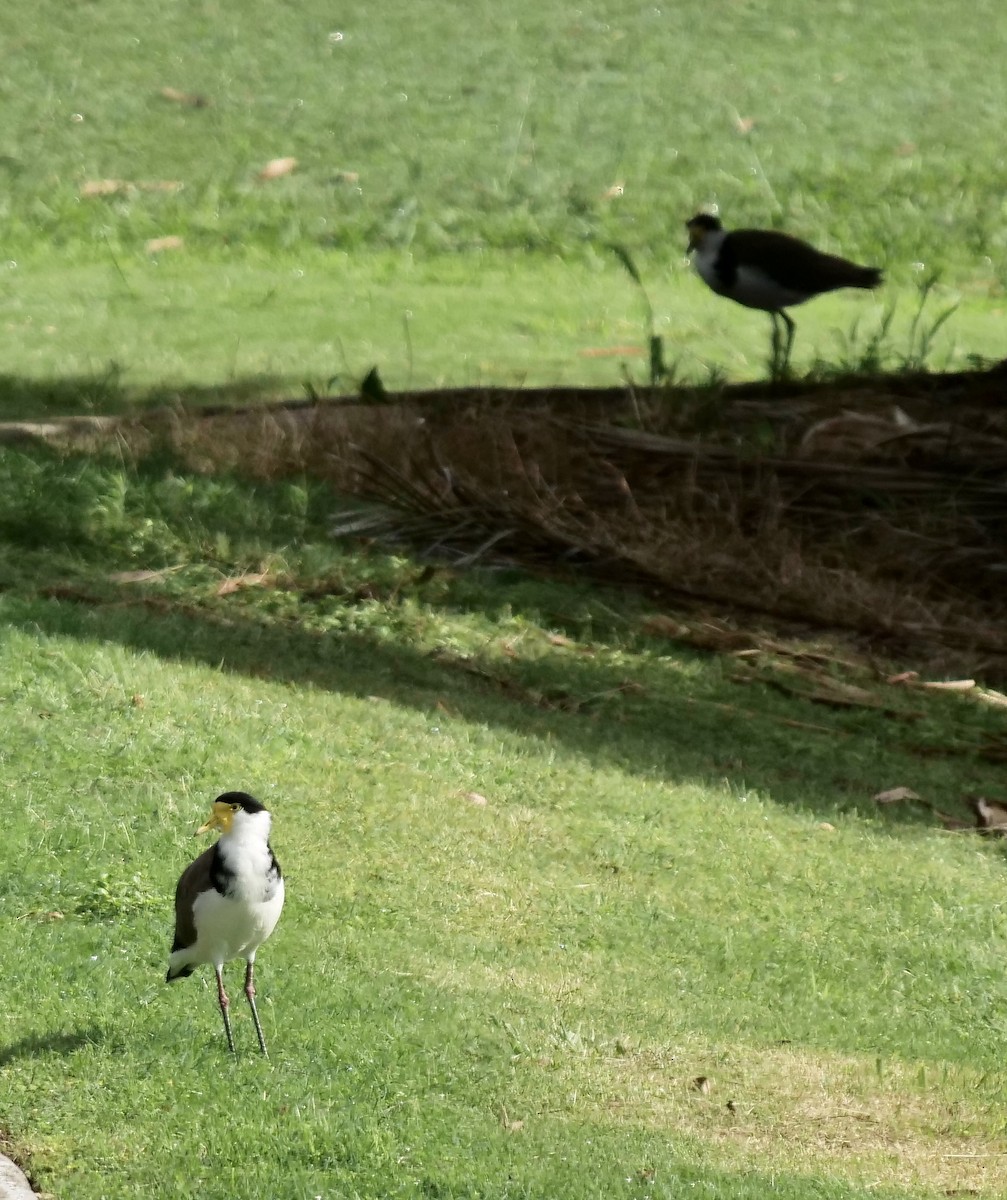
229	899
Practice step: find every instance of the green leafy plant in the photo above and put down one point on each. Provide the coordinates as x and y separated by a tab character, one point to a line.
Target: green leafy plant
110	897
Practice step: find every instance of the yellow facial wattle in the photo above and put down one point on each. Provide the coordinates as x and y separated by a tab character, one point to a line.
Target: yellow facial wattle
220	818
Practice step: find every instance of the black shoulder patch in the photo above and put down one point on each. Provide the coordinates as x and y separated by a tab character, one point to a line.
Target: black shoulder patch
273	874
221	875
726	265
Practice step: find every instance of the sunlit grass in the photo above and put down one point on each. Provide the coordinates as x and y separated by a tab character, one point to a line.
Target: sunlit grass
547	872
529	906
456	189
518	130
89	338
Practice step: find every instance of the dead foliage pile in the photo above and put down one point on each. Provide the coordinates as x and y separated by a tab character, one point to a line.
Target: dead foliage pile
877	506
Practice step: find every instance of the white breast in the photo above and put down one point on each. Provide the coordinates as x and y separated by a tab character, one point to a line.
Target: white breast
752	287
231	928
755	289
705	256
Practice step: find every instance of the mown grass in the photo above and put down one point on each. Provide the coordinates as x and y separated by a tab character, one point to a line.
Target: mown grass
85	339
494	141
668	879
418	131
546	870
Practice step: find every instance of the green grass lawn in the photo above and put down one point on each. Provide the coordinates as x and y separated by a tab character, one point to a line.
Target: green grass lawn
83	339
667	880
461	169
546	871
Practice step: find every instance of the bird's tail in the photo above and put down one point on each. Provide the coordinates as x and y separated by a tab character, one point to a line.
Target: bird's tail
832	272
870	277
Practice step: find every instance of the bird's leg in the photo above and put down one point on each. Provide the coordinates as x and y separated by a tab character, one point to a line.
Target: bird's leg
774	364
791	329
250	993
224	1002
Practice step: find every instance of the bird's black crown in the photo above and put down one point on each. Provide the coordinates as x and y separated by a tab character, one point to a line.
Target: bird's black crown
242	800
704	221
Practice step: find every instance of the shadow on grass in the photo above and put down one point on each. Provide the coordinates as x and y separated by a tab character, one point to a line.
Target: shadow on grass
108	393
34	1045
817	761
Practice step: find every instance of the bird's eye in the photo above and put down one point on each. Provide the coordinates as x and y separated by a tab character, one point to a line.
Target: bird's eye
235	807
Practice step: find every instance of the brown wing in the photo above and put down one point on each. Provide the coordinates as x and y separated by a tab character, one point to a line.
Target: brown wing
194	879
796	264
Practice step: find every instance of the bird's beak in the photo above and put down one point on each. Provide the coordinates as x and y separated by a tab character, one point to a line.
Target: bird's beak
695	238
220	818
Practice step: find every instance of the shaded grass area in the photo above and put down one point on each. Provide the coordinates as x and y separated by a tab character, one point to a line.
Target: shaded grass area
244	574
872	505
529	905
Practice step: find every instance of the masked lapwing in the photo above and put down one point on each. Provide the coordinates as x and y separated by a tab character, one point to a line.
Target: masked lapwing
761	268
228	900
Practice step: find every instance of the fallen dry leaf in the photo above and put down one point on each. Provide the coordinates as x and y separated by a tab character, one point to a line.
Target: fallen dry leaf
103	187
611	352
617	189
97	187
115	187
511	1126
895	795
991	815
476	798
141	576
744	124
661	626
559	639
157	245
192	99
277	167
41	914
702	1083
235	583
949	685
707	635
827	826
